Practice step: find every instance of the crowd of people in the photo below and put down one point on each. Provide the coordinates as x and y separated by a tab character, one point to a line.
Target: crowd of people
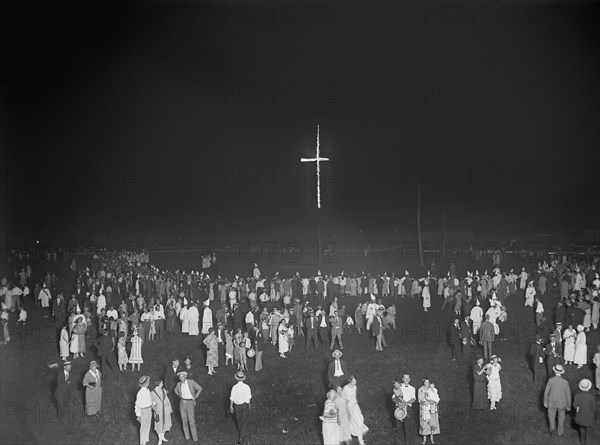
121	301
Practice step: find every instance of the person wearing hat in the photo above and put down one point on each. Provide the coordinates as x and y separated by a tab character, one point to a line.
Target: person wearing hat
537	362
337	371
377	330
580	348
162	410
494	389
331	419
455	338
187	391
143	409
558	326
557	399
337	325
584	404
239	404
311	329
62	393
92	381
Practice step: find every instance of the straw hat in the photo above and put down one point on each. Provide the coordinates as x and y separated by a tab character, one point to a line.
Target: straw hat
240	376
585	384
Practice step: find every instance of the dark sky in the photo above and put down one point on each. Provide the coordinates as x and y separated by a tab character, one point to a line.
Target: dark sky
158	117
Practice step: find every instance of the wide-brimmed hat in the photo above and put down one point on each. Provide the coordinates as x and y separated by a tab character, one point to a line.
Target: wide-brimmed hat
585	384
558	369
495	357
240	376
336	354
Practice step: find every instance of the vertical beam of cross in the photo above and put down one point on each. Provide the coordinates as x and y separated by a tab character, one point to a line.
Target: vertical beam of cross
318	159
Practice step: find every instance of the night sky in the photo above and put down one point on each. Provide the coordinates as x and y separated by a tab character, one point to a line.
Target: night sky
193	117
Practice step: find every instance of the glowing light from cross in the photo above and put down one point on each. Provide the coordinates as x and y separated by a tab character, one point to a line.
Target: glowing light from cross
318	161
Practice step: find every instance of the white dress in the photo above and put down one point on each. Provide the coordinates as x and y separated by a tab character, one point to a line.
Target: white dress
357	420
64	343
494	391
581	349
569	352
283	340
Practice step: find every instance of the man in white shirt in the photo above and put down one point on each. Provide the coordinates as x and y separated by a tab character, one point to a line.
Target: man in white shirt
159	320
188	391
539	311
406	400
143	409
239	403
250	321
337	371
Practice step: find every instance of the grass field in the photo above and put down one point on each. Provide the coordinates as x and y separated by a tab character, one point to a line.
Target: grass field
288	394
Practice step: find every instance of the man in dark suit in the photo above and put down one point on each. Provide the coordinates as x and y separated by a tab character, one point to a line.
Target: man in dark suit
170	378
59	310
311	326
106	352
62	393
537	362
377	330
337	371
553	353
455	339
465	334
80	296
557	398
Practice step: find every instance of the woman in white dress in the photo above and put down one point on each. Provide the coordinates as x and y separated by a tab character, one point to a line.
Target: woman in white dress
569	337
494	389
64	343
331	420
357	421
344	417
283	338
580	348
426	297
135	356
